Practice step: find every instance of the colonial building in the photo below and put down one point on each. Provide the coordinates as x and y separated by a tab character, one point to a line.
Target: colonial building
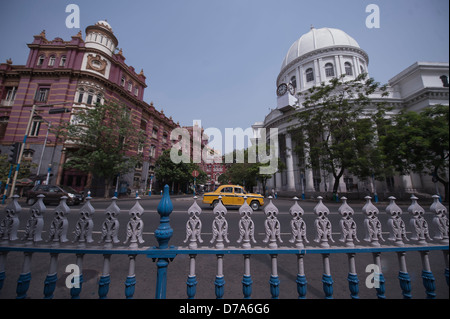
318	56
79	72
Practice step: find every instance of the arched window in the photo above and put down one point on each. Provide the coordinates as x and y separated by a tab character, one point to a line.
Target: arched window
329	69
51	61
309	75
362	69
35	126
62	62
80	95
90	97
348	68
41	60
99	98
294	81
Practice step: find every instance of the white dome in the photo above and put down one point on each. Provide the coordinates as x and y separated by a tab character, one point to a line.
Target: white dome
105	24
318	39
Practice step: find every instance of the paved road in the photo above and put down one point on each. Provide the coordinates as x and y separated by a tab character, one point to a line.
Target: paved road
233	265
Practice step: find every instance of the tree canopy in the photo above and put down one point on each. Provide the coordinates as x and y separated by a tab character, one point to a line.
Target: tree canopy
336	127
102	140
419	142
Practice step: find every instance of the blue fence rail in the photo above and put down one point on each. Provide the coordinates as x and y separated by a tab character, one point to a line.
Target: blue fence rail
83	244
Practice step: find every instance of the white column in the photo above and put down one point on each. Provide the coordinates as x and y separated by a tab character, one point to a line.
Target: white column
356	66
289	164
317	72
299	78
408	184
339	70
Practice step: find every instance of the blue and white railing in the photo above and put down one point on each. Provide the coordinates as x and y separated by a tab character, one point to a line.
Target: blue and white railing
83	244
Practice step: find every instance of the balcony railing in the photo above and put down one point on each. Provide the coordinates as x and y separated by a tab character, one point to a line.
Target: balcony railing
83	245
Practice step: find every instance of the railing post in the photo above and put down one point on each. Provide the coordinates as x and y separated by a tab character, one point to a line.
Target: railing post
301	278
58	234
105	279
191	288
219	283
247	235
77	280
403	276
193	233
274	280
378	276
109	236
23	283
247	278
52	277
83	235
130	282
348	235
163	234
427	276
323	234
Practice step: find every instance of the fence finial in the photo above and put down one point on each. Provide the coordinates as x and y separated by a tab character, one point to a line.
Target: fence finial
371	223
220	225
194	225
440	220
85	224
10	224
135	225
272	225
347	223
59	225
164	232
322	224
298	225
35	224
396	224
246	225
418	222
110	227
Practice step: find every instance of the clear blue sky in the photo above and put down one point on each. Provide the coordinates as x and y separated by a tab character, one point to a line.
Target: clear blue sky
217	61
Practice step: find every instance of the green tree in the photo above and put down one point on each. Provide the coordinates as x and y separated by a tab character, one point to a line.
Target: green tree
419	142
102	140
168	172
337	122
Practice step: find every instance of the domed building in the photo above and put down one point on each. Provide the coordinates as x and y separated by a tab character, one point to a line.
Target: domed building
316	57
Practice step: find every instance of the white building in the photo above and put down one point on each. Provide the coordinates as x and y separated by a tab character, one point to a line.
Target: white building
318	56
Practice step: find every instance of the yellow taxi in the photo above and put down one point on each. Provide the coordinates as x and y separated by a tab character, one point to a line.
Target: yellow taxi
233	195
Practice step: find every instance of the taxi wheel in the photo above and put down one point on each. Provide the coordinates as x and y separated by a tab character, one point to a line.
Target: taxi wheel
254	205
214	204
30	201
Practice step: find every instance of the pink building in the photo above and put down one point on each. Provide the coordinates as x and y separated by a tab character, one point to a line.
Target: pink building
82	72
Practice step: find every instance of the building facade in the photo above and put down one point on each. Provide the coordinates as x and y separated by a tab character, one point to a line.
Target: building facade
79	72
318	56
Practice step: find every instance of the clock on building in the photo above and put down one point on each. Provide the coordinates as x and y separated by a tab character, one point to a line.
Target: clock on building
282	89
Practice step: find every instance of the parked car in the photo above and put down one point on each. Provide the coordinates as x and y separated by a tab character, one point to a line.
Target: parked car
233	195
53	194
